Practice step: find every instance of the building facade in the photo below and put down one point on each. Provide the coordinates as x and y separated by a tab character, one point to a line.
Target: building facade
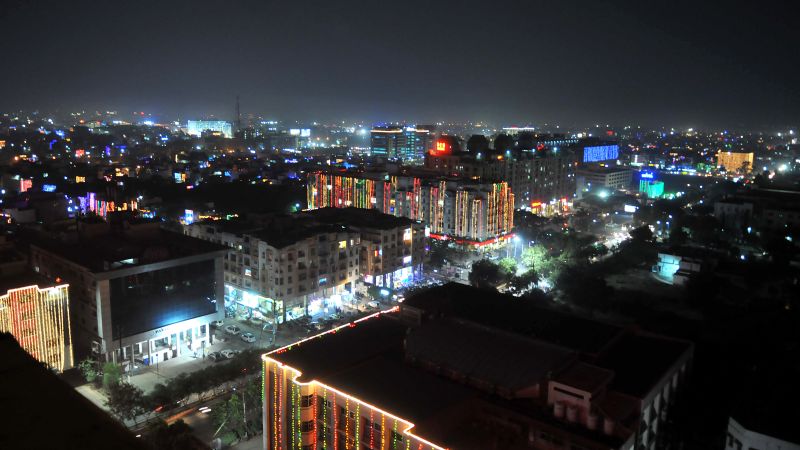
736	162
433	374
197	127
470	212
407	143
139	296
38	317
287	267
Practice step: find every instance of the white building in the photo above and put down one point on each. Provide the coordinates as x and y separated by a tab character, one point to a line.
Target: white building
197	127
740	438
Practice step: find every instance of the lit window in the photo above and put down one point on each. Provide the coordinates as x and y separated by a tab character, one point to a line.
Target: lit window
342	244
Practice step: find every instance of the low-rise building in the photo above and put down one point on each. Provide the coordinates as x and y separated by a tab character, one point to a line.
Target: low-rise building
594	178
459	368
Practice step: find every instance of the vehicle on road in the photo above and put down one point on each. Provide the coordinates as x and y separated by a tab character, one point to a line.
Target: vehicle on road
373	304
217	324
228	353
248	337
216	356
319	326
233	329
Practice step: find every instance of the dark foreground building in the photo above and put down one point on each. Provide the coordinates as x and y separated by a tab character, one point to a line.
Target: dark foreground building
40	411
459	368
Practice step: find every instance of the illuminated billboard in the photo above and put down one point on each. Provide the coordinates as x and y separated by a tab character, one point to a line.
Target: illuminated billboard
600	153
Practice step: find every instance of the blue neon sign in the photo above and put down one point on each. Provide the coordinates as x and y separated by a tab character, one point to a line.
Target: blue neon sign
600	153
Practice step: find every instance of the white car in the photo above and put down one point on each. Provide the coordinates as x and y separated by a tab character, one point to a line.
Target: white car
373	305
233	329
248	337
228	353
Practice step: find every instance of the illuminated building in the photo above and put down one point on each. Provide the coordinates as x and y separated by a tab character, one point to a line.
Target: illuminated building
470	212
598	153
609	179
97	204
197	127
534	177
649	186
287	267
408	143
37	316
735	162
439	372
139	293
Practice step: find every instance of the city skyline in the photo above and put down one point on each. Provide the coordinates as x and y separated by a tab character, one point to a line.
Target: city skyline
615	62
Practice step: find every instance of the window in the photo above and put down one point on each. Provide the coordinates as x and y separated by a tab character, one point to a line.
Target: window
306	401
305	427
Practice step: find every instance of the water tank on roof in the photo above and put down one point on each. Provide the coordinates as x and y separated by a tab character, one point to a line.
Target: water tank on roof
558	410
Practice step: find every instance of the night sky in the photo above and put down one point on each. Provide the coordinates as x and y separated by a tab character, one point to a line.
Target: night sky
676	63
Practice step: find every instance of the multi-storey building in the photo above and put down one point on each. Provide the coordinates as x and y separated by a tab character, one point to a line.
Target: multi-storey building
455	368
197	127
290	266
36	312
736	162
471	212
759	209
139	293
594	178
536	178
408	143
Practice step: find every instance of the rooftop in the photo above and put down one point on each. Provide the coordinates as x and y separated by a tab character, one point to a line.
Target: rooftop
111	250
24	279
510	314
358	217
70	422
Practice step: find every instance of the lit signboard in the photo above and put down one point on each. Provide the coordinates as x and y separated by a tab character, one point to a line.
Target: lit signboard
600	153
48	188
647	176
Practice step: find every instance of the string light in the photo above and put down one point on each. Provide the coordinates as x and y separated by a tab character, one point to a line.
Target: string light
39	320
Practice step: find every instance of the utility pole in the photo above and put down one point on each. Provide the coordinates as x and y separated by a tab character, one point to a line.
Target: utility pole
238	116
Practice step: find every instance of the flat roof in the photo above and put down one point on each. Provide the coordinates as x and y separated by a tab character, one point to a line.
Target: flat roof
106	252
24	279
358	217
509	313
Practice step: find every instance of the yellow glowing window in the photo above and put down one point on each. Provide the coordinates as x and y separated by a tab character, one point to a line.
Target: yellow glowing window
342	244
407	234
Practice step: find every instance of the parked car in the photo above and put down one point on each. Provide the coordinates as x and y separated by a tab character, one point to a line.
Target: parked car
233	329
373	304
228	353
248	337
319	326
216	356
217	324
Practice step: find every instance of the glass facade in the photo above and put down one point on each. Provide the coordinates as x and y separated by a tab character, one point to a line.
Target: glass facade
159	298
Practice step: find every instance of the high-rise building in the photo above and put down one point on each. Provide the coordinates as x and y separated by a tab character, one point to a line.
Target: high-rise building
407	143
198	127
455	367
467	211
36	313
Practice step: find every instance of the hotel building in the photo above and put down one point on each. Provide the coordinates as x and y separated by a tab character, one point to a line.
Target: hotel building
456	368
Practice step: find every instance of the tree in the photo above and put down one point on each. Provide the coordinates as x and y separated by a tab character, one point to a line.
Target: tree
112	373
503	142
525	281
508	267
171	437
642	234
125	401
88	368
231	417
677	236
536	257
485	273
477	143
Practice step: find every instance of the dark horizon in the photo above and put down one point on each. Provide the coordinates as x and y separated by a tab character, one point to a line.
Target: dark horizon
679	64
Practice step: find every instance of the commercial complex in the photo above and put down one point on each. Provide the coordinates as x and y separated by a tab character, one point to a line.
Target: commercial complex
198	127
138	292
289	266
470	212
759	209
454	367
408	143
